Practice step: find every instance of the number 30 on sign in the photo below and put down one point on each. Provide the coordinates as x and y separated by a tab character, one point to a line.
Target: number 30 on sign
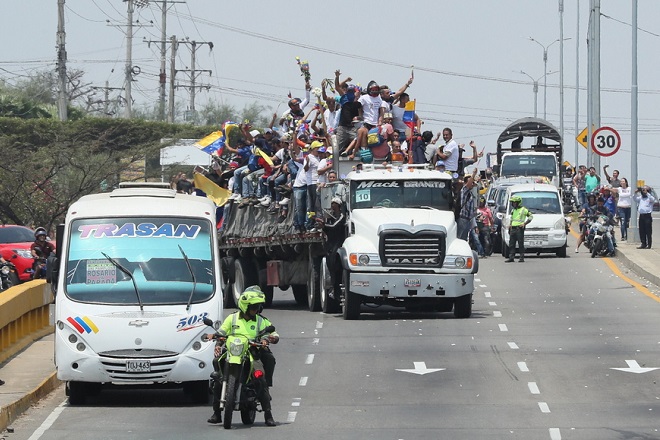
605	141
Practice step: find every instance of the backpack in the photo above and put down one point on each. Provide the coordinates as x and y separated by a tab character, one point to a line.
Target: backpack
374	137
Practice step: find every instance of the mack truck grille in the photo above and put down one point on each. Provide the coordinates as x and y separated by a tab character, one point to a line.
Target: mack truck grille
423	250
116	364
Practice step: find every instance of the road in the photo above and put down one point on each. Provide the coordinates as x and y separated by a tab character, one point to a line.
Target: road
556	349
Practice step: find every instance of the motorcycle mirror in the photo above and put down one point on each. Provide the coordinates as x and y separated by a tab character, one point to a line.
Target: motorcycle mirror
208	322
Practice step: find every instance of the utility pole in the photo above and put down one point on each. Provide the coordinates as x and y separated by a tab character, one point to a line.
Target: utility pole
61	62
577	85
128	70
174	46
194	73
106	97
634	122
593	79
561	72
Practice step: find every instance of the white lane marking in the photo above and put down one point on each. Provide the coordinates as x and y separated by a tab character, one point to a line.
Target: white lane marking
482	285
492	303
503	328
497	314
544	407
41	430
310	359
523	367
533	388
478	280
513	345
303	381
291	416
315	341
319	324
555	434
487	294
296	401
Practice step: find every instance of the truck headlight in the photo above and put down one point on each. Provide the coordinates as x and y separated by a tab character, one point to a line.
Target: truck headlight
560	224
459	262
363	259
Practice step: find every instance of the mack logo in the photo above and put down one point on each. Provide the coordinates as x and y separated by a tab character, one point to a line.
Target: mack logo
374	184
138	323
424	261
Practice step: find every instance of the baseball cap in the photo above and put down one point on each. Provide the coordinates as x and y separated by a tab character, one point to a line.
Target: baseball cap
316	144
267	130
255	133
322	150
336	200
440	163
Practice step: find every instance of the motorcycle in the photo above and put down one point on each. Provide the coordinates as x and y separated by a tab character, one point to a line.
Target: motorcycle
8	276
569	196
601	231
239	376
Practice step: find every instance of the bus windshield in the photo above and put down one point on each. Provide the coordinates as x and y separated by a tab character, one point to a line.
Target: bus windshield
522	165
151	249
401	194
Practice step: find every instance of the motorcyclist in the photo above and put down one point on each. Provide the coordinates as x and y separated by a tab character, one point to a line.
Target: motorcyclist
247	321
40	250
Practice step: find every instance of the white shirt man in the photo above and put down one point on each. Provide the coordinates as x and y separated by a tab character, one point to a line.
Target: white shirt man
449	152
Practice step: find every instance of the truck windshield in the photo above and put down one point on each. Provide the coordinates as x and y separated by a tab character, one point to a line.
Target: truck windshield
401	194
151	249
522	165
541	202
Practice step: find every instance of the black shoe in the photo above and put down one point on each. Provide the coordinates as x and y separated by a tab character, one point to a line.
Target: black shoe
268	417
510	260
641	247
215	418
522	260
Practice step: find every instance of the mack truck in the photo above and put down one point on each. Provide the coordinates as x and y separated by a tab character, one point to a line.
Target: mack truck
400	248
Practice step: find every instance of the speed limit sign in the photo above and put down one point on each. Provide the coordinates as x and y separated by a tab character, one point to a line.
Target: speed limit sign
605	141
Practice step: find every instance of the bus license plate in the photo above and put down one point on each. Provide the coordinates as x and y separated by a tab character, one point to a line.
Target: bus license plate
412	282
138	366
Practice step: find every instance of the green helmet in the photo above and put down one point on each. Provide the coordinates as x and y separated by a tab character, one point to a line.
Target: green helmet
516	199
251	295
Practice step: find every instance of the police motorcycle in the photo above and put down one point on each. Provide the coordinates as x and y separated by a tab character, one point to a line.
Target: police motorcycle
239	376
8	275
600	235
569	195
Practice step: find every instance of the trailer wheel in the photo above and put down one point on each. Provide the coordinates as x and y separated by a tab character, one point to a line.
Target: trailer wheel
314	285
300	293
244	277
328	286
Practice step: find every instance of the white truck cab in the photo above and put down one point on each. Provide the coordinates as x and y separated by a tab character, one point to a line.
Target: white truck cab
547	230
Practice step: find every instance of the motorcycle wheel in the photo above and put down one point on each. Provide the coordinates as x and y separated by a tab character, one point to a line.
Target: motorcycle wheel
230	397
596	248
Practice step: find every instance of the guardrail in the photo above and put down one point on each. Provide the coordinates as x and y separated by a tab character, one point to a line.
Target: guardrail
24	316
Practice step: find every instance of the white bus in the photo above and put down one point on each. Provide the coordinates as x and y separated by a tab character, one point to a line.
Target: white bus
138	271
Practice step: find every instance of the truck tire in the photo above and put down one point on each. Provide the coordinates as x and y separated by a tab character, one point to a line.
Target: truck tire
244	277
300	293
268	292
351	305
561	252
314	285
77	392
328	285
228	286
463	307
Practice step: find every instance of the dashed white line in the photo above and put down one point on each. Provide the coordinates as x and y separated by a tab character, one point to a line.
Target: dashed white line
319	324
315	341
555	434
503	328
544	407
487	294
513	345
296	401
523	367
497	314
492	303
310	359
482	285
303	381
291	416
533	388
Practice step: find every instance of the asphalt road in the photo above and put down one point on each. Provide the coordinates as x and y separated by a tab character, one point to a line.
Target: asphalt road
537	360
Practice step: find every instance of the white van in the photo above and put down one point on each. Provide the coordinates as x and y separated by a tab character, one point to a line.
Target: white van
547	230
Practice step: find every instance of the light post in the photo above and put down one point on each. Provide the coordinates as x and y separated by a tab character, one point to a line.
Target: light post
536	87
545	70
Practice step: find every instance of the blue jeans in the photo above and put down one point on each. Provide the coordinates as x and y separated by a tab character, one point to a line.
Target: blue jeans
582	196
475	239
300	206
311	205
624	218
463	228
237	187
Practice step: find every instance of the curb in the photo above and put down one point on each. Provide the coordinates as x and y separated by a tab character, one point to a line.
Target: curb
10	412
650	277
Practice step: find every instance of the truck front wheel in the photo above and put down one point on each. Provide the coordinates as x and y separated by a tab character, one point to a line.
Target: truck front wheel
463	307
351	304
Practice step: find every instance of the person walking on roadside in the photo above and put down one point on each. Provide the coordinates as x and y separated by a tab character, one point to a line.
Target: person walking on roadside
520	217
623	206
645	202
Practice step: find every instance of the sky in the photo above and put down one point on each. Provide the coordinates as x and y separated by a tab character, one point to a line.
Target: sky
467	57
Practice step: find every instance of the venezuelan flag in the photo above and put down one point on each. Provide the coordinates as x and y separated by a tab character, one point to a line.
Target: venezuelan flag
218	195
409	114
209	139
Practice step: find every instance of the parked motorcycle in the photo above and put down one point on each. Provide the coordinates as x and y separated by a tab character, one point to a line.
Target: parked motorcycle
8	276
239	377
602	234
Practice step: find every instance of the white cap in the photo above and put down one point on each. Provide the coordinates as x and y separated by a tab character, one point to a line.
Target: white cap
255	133
336	200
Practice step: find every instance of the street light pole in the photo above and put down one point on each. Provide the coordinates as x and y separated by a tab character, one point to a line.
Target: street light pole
545	70
536	87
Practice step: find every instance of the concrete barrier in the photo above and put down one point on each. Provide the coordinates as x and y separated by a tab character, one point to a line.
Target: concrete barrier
24	316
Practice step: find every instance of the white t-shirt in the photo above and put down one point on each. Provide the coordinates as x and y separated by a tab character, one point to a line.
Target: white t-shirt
625	197
323	178
312	171
371	108
331	119
301	177
451	163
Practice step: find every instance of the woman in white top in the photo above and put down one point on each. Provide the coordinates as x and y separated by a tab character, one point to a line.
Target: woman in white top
623	206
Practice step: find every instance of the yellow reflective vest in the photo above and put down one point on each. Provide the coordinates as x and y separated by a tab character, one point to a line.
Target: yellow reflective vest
235	324
520	215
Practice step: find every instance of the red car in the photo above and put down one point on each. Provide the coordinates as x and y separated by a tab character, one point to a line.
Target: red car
15	242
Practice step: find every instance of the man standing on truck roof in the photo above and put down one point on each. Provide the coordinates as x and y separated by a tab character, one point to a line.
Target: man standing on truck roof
449	152
520	217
